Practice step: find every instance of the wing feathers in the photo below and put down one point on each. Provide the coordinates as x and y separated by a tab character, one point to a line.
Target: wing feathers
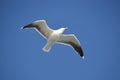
72	41
41	27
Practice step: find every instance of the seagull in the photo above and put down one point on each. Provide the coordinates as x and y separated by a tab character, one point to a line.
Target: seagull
55	36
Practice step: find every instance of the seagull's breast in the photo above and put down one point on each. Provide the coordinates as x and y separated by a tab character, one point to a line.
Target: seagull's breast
55	36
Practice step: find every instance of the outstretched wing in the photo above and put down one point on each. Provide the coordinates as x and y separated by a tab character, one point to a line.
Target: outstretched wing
41	26
71	40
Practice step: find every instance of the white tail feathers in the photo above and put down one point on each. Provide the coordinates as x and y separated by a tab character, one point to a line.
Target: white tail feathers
48	46
46	49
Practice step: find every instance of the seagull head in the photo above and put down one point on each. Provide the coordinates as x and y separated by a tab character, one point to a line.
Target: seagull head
65	28
61	30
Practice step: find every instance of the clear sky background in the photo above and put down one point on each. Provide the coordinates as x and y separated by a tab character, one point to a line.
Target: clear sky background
96	23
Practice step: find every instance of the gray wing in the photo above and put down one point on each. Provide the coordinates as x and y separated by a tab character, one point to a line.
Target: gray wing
41	26
71	40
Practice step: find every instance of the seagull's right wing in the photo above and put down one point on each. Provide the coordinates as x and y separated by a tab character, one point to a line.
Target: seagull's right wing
72	41
42	27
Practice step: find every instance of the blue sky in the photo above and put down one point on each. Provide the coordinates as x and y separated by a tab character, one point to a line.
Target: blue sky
96	23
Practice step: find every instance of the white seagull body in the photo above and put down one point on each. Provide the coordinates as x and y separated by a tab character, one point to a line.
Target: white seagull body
53	36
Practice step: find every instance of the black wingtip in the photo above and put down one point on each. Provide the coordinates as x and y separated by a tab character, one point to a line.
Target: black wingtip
81	54
24	27
79	51
28	26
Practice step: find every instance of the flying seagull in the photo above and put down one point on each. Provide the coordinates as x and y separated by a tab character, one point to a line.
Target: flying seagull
55	36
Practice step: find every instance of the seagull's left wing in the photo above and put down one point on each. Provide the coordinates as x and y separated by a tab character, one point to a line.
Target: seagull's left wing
41	26
71	40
